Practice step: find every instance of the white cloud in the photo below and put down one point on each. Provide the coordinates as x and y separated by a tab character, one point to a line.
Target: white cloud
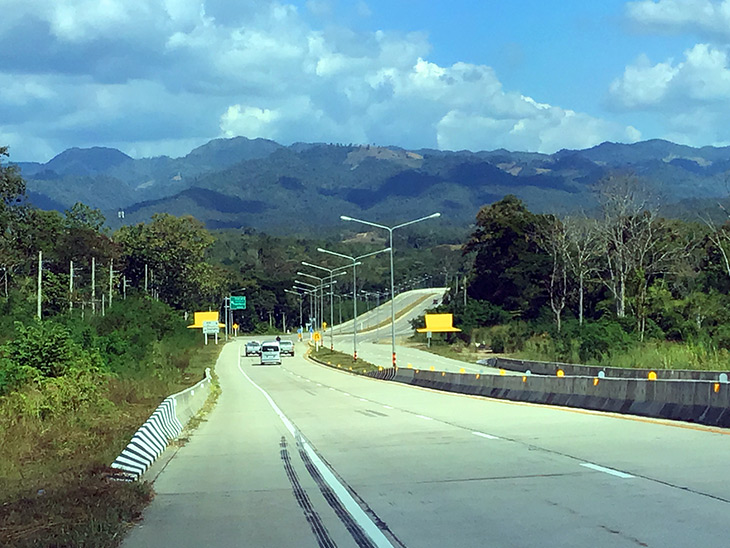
707	16
181	71
702	77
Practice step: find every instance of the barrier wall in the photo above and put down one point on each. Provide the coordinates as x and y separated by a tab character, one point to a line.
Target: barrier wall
703	402
164	425
570	369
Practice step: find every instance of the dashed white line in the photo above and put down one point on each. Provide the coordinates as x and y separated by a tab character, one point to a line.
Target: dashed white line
424	417
345	393
363	399
605	470
487	436
387	407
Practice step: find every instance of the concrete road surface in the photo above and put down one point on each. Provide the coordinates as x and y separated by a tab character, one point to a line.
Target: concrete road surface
304	455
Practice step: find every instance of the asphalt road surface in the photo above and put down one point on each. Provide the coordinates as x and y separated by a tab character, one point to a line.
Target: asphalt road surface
303	455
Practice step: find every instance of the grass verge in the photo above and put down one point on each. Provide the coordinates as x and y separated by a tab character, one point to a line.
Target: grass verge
340	360
54	461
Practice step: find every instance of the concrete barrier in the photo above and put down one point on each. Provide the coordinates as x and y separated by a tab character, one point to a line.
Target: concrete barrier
164	425
701	402
571	369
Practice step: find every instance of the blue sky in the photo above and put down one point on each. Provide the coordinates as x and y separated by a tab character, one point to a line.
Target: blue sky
154	77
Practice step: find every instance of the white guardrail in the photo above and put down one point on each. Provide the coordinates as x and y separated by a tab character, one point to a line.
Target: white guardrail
163	426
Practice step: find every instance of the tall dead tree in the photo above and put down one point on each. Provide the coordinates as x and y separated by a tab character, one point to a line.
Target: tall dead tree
552	238
582	250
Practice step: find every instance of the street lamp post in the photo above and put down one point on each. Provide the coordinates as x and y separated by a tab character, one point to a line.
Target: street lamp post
390	230
354	289
332	306
300	303
312	290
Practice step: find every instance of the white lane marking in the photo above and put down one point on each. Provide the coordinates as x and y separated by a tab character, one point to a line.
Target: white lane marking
363	520
319	384
488	436
346	394
387	407
424	417
363	399
616	473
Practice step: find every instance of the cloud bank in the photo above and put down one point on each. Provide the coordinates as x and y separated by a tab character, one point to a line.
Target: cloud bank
159	77
692	93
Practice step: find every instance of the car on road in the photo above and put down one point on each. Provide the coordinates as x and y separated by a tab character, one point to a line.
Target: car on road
252	348
286	347
270	353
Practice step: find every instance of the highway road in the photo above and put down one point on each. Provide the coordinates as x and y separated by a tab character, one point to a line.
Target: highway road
303	455
374	336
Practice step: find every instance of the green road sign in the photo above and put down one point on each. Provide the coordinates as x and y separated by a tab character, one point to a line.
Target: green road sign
238	303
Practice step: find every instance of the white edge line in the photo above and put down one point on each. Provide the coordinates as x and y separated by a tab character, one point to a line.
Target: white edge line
611	471
372	530
487	436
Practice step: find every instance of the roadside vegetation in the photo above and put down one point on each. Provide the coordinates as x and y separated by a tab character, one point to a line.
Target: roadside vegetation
340	360
626	288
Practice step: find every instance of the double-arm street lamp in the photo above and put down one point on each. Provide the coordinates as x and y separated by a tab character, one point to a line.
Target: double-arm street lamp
390	230
332	306
301	298
354	288
321	287
312	291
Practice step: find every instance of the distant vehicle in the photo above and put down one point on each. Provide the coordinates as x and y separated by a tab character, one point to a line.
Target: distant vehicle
286	347
253	348
270	353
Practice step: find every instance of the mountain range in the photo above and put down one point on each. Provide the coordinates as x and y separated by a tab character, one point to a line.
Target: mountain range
258	183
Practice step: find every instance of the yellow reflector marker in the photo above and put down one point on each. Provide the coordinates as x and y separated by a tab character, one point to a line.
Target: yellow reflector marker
717	387
595	381
477	375
432	368
502	372
524	378
462	370
443	373
561	373
380	368
329	363
410	366
652	376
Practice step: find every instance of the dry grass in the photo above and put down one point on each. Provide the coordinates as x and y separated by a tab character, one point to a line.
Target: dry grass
55	448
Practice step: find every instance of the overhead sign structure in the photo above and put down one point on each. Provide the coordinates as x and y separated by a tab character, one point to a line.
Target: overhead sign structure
238	302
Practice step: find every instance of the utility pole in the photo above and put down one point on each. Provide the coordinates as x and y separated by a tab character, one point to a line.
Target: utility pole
71	287
145	277
111	280
40	278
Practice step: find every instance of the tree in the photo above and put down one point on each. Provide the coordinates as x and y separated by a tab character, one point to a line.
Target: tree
173	251
509	266
582	250
552	238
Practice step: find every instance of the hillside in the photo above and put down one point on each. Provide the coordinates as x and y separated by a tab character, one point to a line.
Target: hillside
231	183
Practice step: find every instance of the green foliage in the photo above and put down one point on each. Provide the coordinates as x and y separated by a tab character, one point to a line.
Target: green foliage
509	267
171	251
48	348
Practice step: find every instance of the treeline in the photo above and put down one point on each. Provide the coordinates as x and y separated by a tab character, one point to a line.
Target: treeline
598	288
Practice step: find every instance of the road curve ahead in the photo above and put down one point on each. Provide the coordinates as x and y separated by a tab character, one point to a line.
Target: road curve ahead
303	455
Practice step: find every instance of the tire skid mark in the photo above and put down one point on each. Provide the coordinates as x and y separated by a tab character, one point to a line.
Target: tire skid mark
358	535
315	522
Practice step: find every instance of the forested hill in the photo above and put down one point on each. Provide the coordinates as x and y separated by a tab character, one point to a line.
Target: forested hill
231	183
